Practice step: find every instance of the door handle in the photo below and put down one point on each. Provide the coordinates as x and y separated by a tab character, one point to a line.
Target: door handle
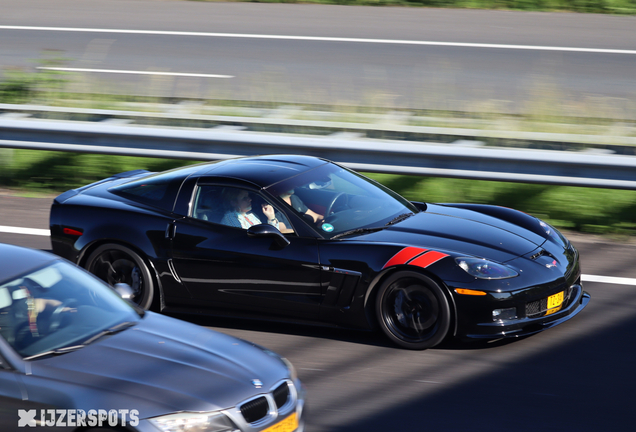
171	230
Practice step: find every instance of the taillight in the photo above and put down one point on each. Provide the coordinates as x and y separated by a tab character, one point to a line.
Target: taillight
71	231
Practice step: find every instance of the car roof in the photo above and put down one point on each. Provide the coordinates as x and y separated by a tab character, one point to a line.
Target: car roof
262	171
17	260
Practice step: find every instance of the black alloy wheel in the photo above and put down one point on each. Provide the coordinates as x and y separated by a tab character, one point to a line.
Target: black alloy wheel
413	311
114	264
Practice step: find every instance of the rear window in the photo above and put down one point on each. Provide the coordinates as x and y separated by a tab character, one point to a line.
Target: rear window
158	190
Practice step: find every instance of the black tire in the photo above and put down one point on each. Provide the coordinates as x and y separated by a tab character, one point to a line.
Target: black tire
114	263
413	311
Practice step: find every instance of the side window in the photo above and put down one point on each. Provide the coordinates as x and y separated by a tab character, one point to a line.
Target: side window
159	190
236	207
208	204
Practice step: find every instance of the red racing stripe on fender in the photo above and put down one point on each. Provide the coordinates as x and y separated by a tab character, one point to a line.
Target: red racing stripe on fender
406	254
427	259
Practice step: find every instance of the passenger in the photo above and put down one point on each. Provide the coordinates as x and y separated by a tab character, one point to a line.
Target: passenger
240	215
298	205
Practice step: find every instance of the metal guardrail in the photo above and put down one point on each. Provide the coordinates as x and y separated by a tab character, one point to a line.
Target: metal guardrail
461	159
404	125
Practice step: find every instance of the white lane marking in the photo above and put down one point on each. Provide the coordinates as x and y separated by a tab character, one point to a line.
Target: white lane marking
584	278
20	230
179	74
323	39
608	280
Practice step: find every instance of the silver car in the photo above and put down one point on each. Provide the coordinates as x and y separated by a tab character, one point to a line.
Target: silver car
74	354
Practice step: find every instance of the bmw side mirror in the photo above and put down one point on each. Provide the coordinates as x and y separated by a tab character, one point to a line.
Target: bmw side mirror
124	290
266	230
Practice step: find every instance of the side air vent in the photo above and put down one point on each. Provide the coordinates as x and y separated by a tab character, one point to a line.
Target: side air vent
538	254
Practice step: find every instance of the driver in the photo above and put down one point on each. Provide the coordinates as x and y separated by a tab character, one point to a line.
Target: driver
298	205
29	313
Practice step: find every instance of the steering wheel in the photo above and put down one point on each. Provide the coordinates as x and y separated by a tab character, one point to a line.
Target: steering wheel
56	316
333	202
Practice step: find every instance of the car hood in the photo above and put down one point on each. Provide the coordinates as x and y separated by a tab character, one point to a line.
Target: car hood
159	366
462	231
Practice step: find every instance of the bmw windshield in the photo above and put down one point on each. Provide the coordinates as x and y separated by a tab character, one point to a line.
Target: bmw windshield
56	307
338	201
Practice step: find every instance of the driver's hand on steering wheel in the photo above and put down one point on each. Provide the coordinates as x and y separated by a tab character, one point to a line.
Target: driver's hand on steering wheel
41	304
318	218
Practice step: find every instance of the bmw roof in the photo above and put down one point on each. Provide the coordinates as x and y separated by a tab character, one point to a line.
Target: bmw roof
15	260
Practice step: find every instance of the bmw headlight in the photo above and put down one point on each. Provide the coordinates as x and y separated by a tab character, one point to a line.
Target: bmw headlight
194	422
290	367
292	370
485	269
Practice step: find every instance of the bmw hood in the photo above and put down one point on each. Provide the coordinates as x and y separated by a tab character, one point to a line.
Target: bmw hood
463	231
159	366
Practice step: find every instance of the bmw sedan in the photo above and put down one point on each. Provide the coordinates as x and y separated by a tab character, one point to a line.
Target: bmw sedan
75	355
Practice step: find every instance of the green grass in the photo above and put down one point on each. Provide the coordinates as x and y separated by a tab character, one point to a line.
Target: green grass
46	171
588	210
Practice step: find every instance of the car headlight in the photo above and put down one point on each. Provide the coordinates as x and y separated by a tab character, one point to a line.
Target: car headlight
553	233
194	422
292	370
547	228
290	367
485	269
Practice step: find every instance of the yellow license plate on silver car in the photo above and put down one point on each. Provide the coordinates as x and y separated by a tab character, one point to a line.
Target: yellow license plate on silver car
290	424
554	303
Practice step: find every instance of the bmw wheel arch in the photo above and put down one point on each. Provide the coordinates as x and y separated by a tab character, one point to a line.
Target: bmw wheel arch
413	310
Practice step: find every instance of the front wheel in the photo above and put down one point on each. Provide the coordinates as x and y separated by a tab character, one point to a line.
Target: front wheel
115	263
413	311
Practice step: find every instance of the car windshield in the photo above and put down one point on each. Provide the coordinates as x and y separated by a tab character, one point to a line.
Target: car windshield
337	201
58	306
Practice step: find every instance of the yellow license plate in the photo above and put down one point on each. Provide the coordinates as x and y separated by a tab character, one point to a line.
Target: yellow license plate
290	424
554	303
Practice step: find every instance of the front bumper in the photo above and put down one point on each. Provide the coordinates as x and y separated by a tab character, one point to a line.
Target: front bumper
271	422
527	325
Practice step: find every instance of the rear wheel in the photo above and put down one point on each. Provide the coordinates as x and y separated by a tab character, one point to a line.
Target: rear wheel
413	311
114	264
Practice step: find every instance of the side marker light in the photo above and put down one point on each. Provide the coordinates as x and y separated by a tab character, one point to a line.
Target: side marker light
465	291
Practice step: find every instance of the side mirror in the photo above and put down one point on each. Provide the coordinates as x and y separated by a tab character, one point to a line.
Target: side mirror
124	290
266	230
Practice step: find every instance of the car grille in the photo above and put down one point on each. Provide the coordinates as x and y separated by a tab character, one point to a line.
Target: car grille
255	409
538	308
281	395
258	409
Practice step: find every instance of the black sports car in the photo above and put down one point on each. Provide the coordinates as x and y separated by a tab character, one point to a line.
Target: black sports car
302	238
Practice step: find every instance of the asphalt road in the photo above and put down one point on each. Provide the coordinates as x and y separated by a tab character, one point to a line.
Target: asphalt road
578	376
548	62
